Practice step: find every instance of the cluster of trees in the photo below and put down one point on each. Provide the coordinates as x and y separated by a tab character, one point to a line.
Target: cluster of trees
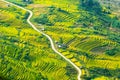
112	52
91	5
28	1
43	19
114	37
95	72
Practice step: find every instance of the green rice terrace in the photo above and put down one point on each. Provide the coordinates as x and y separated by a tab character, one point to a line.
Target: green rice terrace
86	32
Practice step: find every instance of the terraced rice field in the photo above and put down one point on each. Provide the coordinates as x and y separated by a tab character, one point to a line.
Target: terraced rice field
24	53
88	36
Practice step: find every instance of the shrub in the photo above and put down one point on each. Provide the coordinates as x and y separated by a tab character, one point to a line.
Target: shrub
111	52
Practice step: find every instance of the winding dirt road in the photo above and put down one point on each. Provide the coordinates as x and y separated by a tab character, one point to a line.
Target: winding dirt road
50	39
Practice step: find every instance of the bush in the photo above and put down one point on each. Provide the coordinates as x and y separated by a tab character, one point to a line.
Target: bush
111	52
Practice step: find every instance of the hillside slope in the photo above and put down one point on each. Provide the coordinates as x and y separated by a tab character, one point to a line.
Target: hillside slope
86	31
26	54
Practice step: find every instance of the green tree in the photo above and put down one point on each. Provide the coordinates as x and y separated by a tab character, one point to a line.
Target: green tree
91	5
112	51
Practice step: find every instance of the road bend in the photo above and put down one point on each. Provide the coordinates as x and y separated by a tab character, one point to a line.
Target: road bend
49	38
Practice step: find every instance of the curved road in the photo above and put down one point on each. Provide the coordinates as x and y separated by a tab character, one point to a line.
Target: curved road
50	39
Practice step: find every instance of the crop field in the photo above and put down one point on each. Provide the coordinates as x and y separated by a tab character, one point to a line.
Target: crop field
26	54
84	47
89	39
